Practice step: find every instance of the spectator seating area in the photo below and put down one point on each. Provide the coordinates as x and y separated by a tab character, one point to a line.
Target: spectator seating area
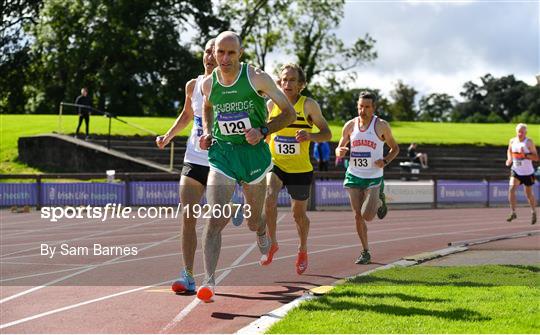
443	159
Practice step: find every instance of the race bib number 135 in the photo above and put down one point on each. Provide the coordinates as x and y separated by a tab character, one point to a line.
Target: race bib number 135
286	145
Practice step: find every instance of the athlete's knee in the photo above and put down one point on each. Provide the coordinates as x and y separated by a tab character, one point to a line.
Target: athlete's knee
369	215
254	222
300	217
271	199
189	223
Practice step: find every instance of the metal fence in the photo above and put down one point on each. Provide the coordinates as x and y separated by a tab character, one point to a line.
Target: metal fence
110	117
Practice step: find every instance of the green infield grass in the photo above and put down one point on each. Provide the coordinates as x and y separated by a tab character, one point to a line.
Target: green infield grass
425	299
14	126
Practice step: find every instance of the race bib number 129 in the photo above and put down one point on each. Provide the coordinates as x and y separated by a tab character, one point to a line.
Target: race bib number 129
233	123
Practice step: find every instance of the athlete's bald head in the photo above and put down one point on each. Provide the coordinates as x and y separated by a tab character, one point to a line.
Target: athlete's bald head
228	50
229	35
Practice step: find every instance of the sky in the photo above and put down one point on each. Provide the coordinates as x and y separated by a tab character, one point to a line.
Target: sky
437	46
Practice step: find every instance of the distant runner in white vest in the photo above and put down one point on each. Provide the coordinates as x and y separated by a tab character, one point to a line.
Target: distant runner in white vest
520	155
367	135
195	168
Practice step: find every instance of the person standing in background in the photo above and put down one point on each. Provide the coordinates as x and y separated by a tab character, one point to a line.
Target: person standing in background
84	112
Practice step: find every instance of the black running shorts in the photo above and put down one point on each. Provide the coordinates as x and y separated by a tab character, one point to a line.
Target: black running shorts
196	171
525	180
298	184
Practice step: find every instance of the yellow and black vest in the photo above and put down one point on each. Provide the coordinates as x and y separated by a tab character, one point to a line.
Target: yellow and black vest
287	154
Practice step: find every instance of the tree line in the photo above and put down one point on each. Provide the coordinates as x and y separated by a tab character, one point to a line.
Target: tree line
132	56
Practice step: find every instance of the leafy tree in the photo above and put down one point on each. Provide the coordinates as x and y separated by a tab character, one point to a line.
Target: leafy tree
317	48
402	106
435	107
127	52
498	100
260	25
14	52
339	102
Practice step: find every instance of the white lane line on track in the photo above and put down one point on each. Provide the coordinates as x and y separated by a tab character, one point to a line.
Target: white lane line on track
185	311
228	247
112	262
69	307
42	229
84	237
103	237
247	234
33	289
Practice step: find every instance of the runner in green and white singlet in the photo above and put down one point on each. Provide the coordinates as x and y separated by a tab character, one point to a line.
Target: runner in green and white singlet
234	131
237	108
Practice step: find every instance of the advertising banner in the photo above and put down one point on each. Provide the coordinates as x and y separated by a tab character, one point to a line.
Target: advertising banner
454	191
18	194
75	194
498	192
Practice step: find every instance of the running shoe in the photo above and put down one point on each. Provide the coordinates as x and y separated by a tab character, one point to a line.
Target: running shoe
267	259
264	243
238	216
533	218
383	210
186	283
238	210
206	293
301	262
511	217
365	258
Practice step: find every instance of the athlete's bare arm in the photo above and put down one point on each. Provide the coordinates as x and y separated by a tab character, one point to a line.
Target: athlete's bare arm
312	111
341	149
533	154
182	120
263	83
269	107
509	153
382	127
207	116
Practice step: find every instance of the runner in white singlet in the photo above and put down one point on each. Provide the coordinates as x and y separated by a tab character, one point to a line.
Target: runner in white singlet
367	135
195	168
520	156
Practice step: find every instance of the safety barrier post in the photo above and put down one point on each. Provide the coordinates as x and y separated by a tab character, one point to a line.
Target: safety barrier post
38	184
488	195
127	196
109	137
312	205
171	159
434	193
60	130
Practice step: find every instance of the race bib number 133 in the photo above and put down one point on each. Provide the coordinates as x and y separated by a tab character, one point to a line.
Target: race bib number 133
361	160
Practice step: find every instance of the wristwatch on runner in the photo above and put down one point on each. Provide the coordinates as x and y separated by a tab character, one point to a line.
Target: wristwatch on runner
264	131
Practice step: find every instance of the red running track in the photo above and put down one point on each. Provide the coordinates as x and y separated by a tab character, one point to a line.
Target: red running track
131	294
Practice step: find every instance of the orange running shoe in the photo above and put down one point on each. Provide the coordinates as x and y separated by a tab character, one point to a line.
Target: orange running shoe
206	293
267	259
301	262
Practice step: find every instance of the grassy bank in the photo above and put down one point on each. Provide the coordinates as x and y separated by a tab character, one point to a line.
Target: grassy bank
14	126
423	299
